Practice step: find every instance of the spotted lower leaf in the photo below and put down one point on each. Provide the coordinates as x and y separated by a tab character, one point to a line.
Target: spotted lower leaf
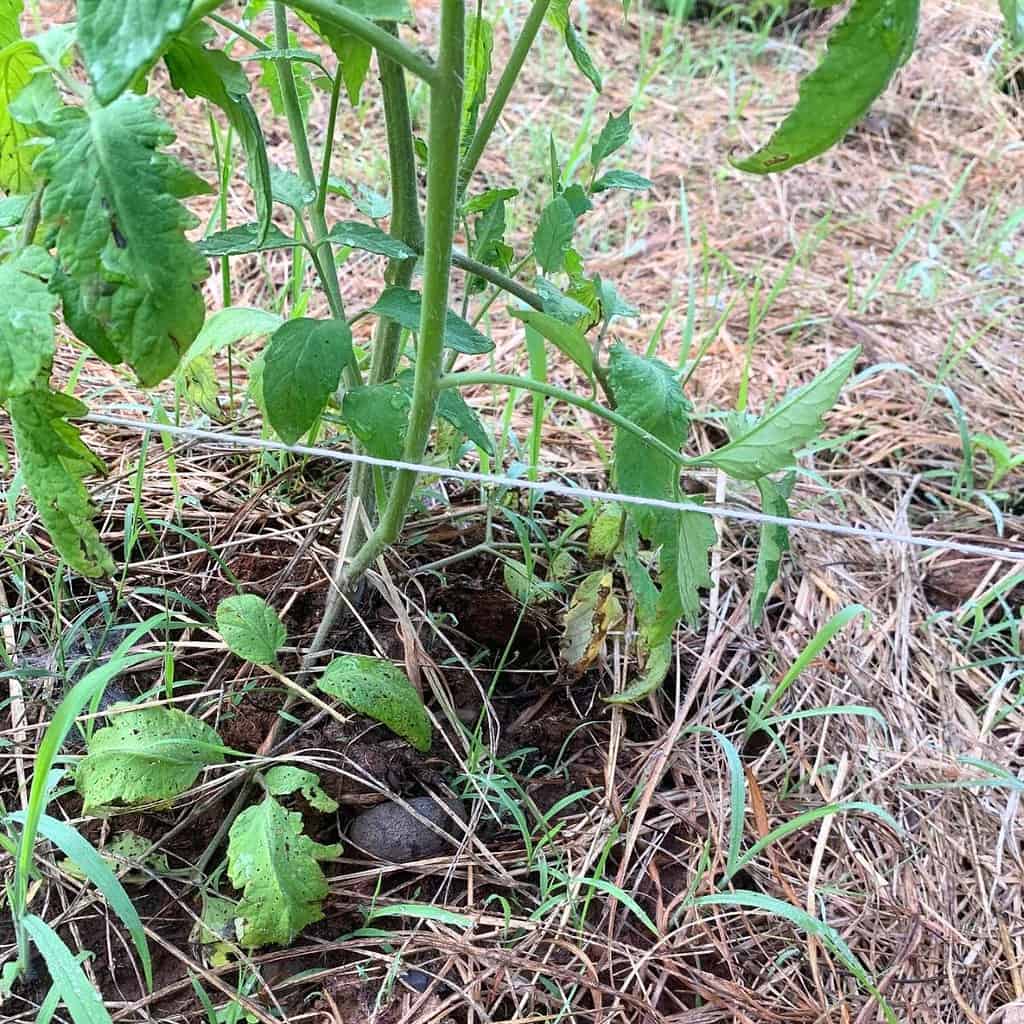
278	869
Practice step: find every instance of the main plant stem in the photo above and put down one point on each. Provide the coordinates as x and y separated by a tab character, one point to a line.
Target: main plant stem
442	199
407	227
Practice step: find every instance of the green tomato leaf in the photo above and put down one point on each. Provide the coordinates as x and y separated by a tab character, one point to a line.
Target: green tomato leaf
270	78
558	15
403	306
227	326
378	415
12	210
251	628
244	239
605	532
302	368
659	661
614	135
622	179
647	393
290	190
686	540
10	20
276	866
118	39
353	53
553	236
128	273
486	199
26	325
864	51
380	10
381	691
17	61
558	304
773	544
55	461
284	779
369	238
489	235
769	443
145	756
479	47
212	75
569	340
453	408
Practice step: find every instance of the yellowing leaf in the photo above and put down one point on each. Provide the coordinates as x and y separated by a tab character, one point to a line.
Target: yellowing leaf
593	613
54	461
382	691
277	868
523	584
145	756
17	59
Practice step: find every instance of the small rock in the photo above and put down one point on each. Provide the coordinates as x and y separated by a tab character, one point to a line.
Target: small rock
389	832
417	979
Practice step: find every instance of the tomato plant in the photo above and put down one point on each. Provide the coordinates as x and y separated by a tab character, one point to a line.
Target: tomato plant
98	232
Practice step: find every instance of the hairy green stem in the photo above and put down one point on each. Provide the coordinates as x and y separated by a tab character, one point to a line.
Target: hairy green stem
240	31
510	380
442	202
332	13
496	277
502	90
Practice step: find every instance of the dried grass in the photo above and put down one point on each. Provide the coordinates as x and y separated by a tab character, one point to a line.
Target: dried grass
933	911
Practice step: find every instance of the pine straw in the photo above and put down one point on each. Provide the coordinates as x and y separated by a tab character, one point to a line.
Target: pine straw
933	911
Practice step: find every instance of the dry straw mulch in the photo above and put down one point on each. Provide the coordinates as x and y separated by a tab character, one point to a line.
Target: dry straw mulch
916	257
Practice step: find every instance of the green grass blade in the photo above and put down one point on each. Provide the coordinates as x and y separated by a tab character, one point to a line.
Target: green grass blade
818	643
737	793
806	922
99	872
800	821
63	718
82	1000
422	912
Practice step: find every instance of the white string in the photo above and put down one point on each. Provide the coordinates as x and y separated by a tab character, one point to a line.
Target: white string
563	490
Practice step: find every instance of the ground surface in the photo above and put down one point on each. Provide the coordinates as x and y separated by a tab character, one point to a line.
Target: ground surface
907	240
